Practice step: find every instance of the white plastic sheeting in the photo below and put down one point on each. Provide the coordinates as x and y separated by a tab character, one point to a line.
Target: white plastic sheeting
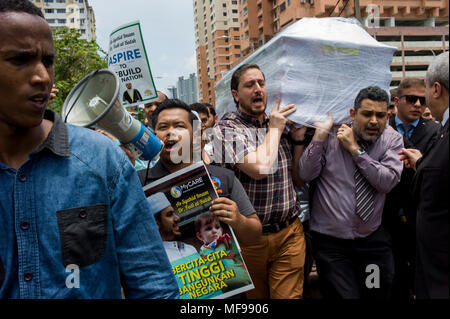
320	65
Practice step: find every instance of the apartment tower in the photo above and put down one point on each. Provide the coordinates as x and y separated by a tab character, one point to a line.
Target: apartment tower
217	40
418	28
74	14
186	89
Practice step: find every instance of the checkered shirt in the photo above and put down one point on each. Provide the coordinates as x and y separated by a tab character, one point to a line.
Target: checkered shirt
273	197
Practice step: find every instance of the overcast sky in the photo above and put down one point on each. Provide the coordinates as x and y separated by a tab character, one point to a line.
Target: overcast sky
167	28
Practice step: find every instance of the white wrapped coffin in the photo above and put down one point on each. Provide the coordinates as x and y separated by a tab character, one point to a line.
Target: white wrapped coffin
320	65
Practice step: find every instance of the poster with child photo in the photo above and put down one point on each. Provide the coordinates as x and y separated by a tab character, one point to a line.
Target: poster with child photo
204	253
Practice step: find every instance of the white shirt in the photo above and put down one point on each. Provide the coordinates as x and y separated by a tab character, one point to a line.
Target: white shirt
177	249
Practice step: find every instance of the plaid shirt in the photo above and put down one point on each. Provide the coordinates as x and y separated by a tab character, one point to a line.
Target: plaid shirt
273	197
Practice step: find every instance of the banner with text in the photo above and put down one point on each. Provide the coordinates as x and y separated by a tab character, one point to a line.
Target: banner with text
204	255
128	59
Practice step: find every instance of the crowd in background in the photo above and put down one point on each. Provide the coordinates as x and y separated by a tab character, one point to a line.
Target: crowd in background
364	202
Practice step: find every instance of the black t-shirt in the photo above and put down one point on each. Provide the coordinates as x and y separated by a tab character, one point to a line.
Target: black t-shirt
224	180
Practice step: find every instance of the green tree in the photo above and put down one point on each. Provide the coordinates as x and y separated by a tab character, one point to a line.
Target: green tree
74	59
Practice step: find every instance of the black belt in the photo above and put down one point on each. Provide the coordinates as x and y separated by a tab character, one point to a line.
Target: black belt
276	227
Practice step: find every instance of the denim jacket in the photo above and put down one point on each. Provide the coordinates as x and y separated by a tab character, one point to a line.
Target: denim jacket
75	223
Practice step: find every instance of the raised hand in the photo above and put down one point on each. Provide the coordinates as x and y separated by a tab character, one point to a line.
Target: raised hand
278	115
323	128
410	156
347	139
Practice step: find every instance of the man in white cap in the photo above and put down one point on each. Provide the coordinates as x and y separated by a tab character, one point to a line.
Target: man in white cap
167	222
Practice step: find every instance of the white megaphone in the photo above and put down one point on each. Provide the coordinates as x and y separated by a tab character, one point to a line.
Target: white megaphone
94	102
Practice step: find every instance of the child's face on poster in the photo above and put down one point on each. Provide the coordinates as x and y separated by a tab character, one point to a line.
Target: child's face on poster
209	232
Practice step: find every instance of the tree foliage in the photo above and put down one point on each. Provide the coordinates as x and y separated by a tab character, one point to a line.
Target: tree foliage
74	59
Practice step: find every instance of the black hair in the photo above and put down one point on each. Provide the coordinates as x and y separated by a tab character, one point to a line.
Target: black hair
24	6
211	109
199	108
373	93
172	104
236	77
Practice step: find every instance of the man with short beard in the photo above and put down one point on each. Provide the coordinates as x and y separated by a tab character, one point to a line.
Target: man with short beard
167	222
353	167
265	160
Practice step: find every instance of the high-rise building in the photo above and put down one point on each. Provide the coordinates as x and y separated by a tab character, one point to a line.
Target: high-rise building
418	28
74	14
217	39
172	92
187	89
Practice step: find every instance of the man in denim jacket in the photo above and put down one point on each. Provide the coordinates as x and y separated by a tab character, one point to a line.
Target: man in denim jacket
74	222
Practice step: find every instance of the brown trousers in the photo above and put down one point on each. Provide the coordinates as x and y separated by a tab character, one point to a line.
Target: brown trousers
276	264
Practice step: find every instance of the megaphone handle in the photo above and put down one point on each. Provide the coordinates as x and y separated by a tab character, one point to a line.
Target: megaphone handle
79	94
133	149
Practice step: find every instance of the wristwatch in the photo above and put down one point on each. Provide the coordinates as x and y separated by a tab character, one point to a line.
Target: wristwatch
359	153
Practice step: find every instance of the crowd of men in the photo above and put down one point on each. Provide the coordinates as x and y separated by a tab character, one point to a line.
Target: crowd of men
71	199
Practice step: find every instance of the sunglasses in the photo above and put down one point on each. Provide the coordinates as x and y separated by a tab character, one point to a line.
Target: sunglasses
412	99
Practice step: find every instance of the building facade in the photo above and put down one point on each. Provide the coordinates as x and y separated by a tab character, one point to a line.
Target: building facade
217	42
187	89
418	28
172	92
74	14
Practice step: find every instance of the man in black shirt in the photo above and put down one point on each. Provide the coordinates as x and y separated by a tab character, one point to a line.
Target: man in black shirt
174	124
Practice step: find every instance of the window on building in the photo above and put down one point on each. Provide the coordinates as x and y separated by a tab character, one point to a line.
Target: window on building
60	10
48	10
62	21
282	7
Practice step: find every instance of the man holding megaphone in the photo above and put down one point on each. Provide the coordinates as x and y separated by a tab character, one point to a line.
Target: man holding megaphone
74	220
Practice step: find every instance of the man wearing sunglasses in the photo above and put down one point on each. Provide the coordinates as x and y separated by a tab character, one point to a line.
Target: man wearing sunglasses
399	215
